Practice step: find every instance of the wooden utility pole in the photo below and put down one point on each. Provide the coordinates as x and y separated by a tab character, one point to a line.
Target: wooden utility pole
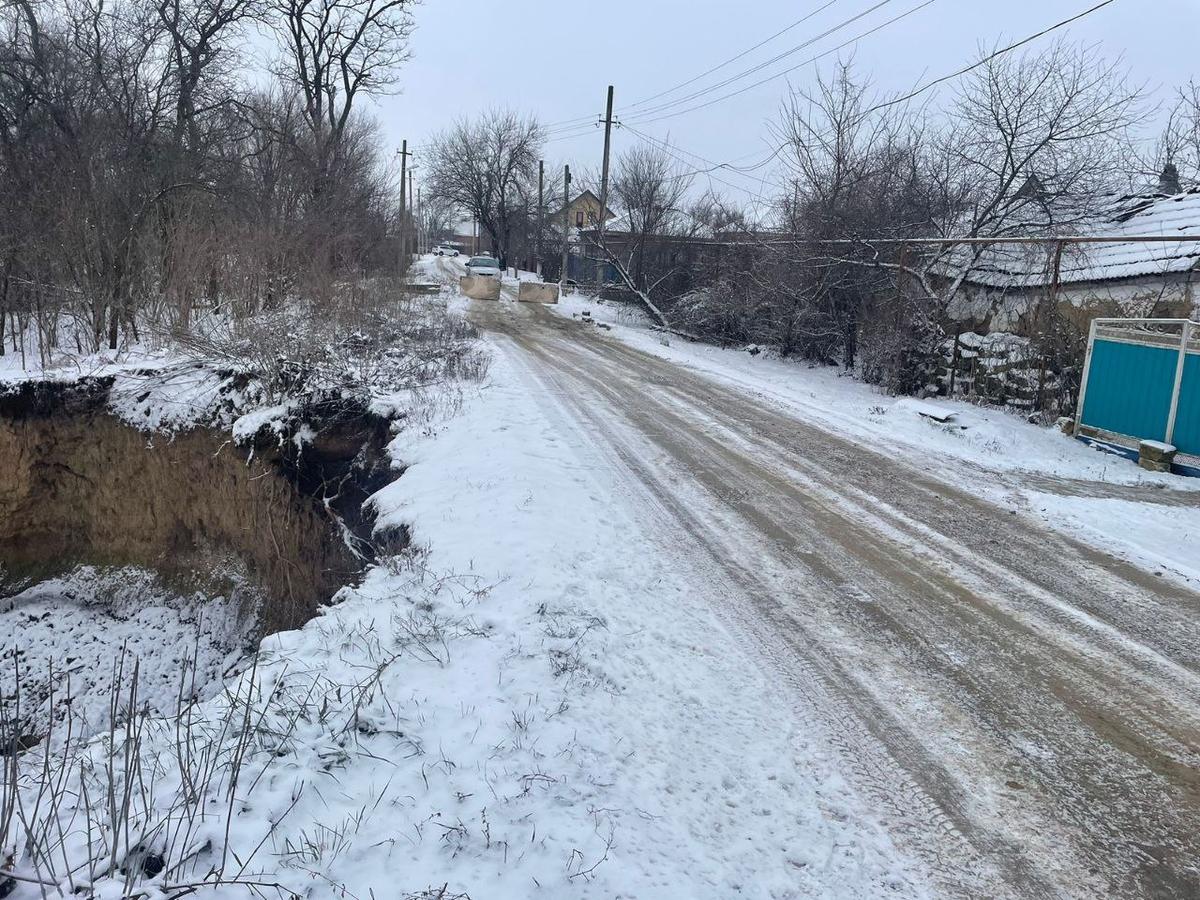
403	207
541	214
562	275
1047	323
608	123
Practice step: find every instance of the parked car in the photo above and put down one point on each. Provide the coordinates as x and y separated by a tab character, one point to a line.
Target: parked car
483	265
444	251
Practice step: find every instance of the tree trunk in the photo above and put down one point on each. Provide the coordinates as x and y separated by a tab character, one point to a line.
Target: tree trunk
3	303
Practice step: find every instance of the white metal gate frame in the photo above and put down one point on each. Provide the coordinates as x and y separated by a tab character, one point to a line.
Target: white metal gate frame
1187	328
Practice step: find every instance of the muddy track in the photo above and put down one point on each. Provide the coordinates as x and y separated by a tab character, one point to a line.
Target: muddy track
1024	709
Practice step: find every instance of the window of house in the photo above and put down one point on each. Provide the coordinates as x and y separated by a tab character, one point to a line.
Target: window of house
579	218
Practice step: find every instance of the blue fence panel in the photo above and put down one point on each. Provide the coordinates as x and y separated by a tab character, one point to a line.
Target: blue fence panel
1187	419
1129	389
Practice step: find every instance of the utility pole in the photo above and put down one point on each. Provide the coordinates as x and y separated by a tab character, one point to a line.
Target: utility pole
608	123
562	275
420	228
541	214
411	196
403	207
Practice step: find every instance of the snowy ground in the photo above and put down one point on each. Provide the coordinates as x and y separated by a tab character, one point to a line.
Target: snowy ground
526	705
1153	522
605	671
1008	696
67	637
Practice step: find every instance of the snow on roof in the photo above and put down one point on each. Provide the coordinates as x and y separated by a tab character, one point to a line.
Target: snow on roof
624	224
619	223
1179	214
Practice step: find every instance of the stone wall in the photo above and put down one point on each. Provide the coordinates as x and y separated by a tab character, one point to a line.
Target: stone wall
999	368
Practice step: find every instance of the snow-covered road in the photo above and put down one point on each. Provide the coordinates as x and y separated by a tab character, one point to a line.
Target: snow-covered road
1022	709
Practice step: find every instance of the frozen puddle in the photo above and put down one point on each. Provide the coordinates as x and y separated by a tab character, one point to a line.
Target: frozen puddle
71	640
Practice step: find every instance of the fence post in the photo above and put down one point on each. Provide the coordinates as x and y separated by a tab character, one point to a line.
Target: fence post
1087	370
1184	340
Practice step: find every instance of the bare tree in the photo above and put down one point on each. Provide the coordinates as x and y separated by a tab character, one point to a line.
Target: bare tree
488	168
437	220
1030	146
339	49
200	35
1039	139
649	187
856	171
1179	144
143	176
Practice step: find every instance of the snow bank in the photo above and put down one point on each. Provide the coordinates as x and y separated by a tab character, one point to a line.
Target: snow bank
526	705
1161	538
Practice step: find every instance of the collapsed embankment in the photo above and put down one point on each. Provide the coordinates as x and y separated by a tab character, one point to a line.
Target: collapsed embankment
80	486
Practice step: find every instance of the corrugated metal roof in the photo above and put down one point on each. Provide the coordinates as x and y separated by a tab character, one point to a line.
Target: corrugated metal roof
1133	216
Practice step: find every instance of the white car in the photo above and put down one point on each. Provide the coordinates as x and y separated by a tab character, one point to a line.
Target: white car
444	251
483	265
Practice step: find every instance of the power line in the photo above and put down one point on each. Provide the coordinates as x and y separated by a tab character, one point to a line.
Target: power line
812	59
691	171
990	57
713	165
571	129
935	82
570	136
580	119
570	124
907	96
663	107
734	59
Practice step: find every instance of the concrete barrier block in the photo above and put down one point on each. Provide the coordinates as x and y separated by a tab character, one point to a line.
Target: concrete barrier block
480	287
535	292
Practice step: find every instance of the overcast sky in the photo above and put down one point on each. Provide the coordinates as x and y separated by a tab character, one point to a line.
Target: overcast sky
554	59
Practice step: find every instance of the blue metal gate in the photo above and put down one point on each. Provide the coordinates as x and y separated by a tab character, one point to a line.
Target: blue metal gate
1142	381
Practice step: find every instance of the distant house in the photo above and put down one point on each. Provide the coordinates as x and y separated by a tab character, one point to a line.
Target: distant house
582	212
1004	287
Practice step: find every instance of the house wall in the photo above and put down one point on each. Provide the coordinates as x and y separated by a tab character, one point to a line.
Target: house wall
994	348
986	310
468	244
589	207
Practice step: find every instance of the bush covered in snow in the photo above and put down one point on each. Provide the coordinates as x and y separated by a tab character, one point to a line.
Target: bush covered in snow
380	342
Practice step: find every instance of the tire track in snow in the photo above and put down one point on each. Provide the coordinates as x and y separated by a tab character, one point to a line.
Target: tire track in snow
632	386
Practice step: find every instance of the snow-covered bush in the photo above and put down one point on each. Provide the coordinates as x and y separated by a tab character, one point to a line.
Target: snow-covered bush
378	341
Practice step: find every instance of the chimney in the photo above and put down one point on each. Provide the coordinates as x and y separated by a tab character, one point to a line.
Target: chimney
1168	180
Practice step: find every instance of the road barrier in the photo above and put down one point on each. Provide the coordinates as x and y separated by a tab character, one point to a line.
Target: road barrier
535	292
480	287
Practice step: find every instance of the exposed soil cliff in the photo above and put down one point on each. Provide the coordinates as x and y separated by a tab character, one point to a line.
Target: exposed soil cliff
79	485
